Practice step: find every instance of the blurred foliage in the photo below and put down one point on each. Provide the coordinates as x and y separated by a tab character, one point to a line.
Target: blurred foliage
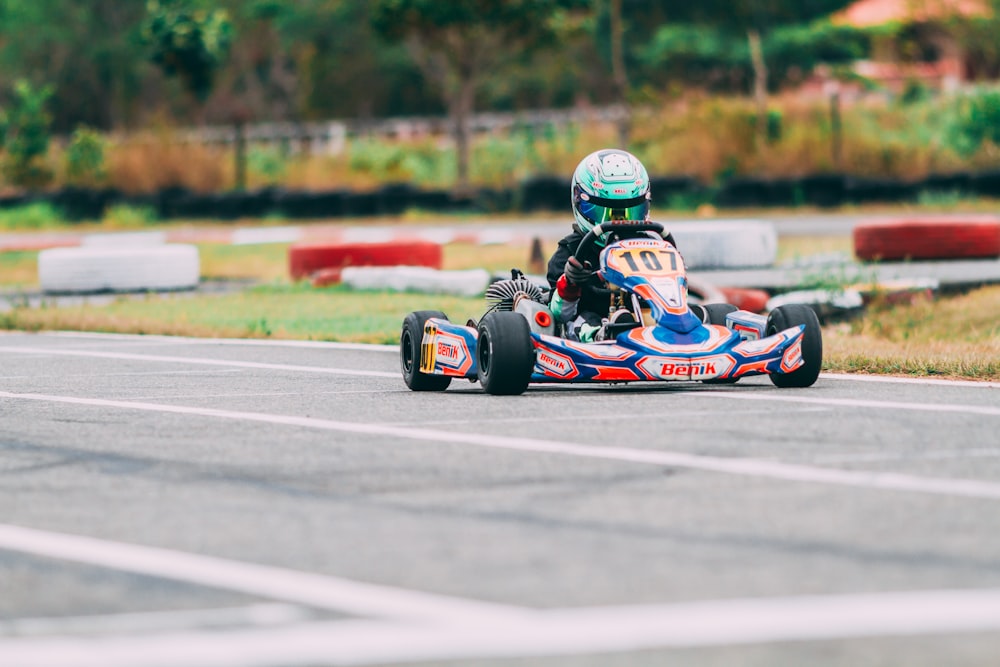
84	158
458	46
38	215
189	39
976	121
26	135
309	60
709	58
267	165
319	59
124	216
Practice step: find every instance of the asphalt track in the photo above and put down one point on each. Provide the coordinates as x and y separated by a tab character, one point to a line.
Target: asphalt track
169	502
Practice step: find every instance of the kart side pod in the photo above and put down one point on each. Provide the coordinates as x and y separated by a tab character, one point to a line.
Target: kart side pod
539	317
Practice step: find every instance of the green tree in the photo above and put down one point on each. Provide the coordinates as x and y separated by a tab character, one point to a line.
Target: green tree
189	39
754	19
88	50
706	57
457	44
26	133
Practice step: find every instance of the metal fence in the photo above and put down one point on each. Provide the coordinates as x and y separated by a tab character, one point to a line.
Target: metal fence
330	137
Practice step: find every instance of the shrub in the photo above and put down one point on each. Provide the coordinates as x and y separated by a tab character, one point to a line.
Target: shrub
84	158
26	135
266	165
977	121
127	216
38	215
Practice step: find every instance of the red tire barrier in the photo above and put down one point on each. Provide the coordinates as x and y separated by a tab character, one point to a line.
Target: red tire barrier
939	238
754	300
307	258
326	277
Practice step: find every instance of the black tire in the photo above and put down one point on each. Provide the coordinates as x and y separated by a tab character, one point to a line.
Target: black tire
409	353
791	315
715	313
505	355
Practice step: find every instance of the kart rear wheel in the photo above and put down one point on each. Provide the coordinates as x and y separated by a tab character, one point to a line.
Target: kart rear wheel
410	340
791	315
505	355
715	313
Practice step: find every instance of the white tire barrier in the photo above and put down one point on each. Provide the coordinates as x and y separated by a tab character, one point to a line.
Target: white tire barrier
828	304
87	270
726	244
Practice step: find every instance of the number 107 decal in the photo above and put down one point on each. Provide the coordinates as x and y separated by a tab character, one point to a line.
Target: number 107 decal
661	261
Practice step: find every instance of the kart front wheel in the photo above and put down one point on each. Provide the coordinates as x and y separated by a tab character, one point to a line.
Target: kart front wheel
505	355
791	315
410	340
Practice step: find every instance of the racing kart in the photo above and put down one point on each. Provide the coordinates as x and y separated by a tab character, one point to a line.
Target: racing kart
652	332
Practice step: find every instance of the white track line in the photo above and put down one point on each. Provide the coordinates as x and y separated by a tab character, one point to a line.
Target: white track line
383	374
549	633
198	361
272	613
370	347
314	590
734	466
768	396
367	347
891	379
187	340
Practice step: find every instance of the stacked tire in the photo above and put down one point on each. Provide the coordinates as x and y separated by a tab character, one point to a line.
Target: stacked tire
111	268
307	259
928	239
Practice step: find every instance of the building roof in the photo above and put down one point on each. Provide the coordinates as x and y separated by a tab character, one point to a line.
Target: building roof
870	13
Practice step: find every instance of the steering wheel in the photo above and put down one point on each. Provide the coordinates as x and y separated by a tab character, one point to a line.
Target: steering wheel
618	228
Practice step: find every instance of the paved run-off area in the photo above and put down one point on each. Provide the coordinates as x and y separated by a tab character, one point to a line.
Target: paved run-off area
183	502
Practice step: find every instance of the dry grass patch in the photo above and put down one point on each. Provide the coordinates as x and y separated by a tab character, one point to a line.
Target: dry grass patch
266	262
496	258
19	269
953	337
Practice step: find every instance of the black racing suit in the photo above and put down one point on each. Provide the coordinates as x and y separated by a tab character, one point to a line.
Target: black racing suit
582	316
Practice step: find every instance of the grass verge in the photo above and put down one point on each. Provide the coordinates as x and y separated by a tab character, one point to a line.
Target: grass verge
271	311
957	337
948	337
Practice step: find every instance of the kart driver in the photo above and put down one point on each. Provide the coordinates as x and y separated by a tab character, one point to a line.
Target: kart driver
609	184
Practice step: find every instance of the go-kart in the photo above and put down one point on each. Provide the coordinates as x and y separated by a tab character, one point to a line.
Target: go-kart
651	333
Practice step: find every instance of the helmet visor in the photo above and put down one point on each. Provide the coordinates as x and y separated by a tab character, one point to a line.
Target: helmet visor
598	210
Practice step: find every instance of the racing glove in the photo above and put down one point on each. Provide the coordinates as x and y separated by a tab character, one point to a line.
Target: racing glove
577	273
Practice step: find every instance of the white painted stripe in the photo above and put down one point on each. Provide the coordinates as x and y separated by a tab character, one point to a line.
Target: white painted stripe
157	621
250	342
255	235
733	466
891	379
904	455
765	396
315	590
550	633
370	347
775	395
198	361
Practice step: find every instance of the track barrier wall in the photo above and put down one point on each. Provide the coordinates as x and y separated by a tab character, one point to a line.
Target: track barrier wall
541	193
